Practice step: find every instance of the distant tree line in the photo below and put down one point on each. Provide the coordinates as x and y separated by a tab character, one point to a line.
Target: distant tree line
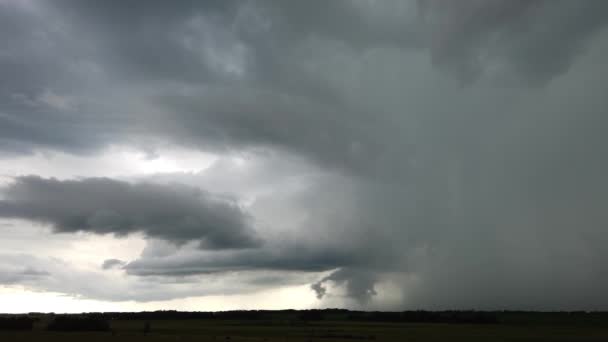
100	321
477	317
17	323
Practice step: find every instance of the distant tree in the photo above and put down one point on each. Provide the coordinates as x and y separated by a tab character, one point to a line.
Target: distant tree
16	323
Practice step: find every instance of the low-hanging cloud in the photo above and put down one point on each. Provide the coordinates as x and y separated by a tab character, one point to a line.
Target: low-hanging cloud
287	257
112	263
104	206
359	285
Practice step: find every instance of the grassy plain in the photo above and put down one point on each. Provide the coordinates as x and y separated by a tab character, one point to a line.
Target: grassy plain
323	331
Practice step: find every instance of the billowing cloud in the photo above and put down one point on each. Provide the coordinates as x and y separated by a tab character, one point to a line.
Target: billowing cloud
535	39
359	285
104	206
301	58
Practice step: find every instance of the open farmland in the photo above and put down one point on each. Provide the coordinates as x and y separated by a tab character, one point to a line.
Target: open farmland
513	327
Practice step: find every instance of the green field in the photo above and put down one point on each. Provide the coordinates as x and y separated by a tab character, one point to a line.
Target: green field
208	330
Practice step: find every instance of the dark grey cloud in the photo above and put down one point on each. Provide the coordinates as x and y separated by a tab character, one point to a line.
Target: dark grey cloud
359	285
112	263
153	41
105	206
243	118
278	258
96	51
534	39
46	69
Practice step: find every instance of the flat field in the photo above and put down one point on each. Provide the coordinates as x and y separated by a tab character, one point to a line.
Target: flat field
285	331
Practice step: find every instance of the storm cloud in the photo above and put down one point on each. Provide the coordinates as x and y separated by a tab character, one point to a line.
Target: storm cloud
451	154
359	285
104	206
290	57
536	40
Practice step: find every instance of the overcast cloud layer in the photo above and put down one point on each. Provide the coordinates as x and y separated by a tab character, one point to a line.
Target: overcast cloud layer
387	154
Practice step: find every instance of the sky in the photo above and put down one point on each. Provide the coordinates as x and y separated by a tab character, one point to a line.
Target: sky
270	154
